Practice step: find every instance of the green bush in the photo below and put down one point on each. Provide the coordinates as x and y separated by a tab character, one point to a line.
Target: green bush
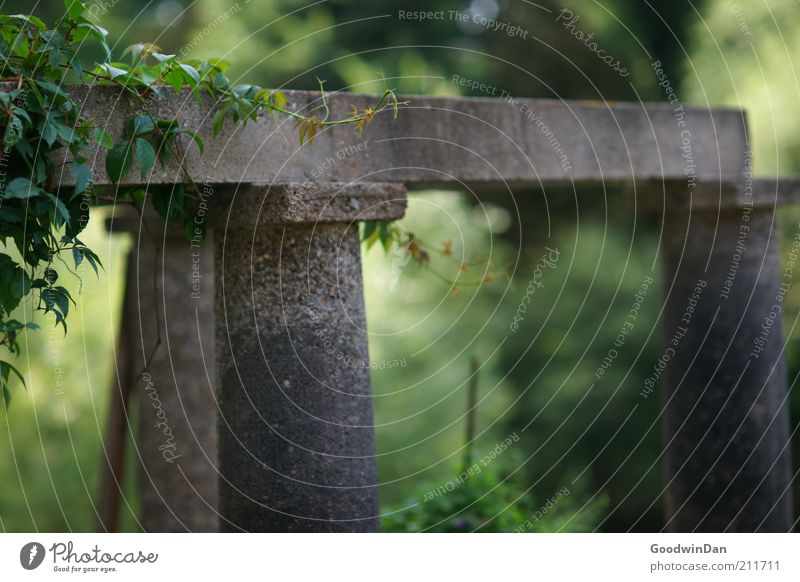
494	500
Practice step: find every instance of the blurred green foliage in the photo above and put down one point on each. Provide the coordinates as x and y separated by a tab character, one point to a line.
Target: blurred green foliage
495	500
50	448
347	42
539	381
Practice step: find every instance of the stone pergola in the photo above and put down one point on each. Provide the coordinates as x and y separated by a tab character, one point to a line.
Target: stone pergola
275	434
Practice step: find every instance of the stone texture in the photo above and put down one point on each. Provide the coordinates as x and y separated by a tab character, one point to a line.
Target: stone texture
296	431
483	143
728	462
716	194
255	205
177	469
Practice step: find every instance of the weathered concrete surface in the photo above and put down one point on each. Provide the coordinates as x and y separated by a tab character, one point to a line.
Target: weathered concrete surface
716	194
256	205
448	142
297	451
728	463
177	439
296	431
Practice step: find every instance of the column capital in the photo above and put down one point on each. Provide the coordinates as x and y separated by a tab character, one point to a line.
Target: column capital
253	205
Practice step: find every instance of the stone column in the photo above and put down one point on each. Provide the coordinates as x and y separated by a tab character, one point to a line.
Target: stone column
170	294
297	450
728	463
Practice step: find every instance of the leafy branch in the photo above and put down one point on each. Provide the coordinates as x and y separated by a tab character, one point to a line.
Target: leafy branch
393	238
42	131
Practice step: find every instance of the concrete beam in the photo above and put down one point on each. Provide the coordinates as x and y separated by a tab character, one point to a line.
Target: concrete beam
760	193
449	142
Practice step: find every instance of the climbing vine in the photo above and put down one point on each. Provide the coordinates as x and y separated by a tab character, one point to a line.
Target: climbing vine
45	138
391	236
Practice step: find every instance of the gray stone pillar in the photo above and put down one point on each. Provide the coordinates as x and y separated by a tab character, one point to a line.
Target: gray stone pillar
176	442
297	449
724	379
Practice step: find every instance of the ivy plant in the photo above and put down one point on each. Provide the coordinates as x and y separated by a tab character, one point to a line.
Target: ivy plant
45	137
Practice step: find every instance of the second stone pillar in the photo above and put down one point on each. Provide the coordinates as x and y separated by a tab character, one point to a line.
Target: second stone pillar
297	449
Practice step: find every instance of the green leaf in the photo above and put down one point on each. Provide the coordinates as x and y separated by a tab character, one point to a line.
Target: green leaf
57	301
303	129
138	125
146	156
112	71
262	96
385	236
11	216
103	138
78	216
162	58
21	283
15	283
37	22
87	254
368	228
55	58
14	131
40	171
374	231
138	197
57	298
218	120
75	8
135	50
191	71
77	256
278	99
175	79
20	46
118	161
66	294
5	373
22	188
65	132
196	138
50	275
83	177
196	94
19	112
92	260
49	134
77	67
51	88
220	65
84	29
60	211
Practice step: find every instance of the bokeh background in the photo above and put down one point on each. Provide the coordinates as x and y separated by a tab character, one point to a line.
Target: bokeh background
539	382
